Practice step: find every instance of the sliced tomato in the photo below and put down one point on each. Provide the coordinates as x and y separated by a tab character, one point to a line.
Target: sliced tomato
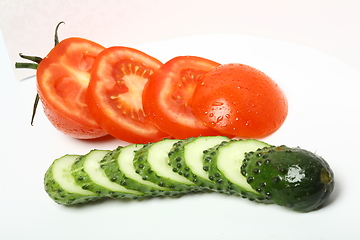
241	100
168	94
115	93
62	79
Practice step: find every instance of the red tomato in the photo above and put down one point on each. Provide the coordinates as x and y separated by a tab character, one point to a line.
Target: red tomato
241	100
62	79
115	93
168	93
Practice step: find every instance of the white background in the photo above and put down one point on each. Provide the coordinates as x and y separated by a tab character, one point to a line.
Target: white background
323	115
328	25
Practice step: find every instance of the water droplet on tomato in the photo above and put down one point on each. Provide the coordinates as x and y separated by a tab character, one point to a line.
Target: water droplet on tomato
218	104
219	119
227	115
211	114
216	109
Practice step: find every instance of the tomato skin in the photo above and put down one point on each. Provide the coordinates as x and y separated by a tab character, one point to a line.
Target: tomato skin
241	100
114	95
168	94
62	79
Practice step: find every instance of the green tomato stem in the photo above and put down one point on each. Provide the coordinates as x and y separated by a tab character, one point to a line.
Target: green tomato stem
36	102
26	65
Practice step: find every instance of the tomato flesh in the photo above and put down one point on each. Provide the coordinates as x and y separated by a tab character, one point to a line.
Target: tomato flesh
241	100
62	79
115	91
168	94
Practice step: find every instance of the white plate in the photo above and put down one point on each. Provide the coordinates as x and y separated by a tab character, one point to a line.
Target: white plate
324	100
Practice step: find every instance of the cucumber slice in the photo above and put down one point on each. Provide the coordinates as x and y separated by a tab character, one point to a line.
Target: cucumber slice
223	163
88	174
152	163
118	166
186	158
61	186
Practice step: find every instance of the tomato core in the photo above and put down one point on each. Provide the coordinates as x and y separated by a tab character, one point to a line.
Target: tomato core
168	94
115	94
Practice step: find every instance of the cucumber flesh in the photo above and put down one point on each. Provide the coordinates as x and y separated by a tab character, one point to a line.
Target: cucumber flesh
228	162
186	158
88	174
152	164
119	168
61	186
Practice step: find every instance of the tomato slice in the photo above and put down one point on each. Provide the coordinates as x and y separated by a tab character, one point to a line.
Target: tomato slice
115	93
241	100
62	79
167	96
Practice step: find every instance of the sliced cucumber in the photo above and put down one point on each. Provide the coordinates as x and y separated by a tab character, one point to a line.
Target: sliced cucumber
289	177
186	158
61	186
119	167
223	163
152	163
88	174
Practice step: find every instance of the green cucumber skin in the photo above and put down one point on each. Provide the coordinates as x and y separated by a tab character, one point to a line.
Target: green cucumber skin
178	162
218	177
83	179
221	185
145	170
57	192
292	177
111	167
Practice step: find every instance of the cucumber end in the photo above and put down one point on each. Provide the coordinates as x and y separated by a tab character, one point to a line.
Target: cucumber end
291	177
